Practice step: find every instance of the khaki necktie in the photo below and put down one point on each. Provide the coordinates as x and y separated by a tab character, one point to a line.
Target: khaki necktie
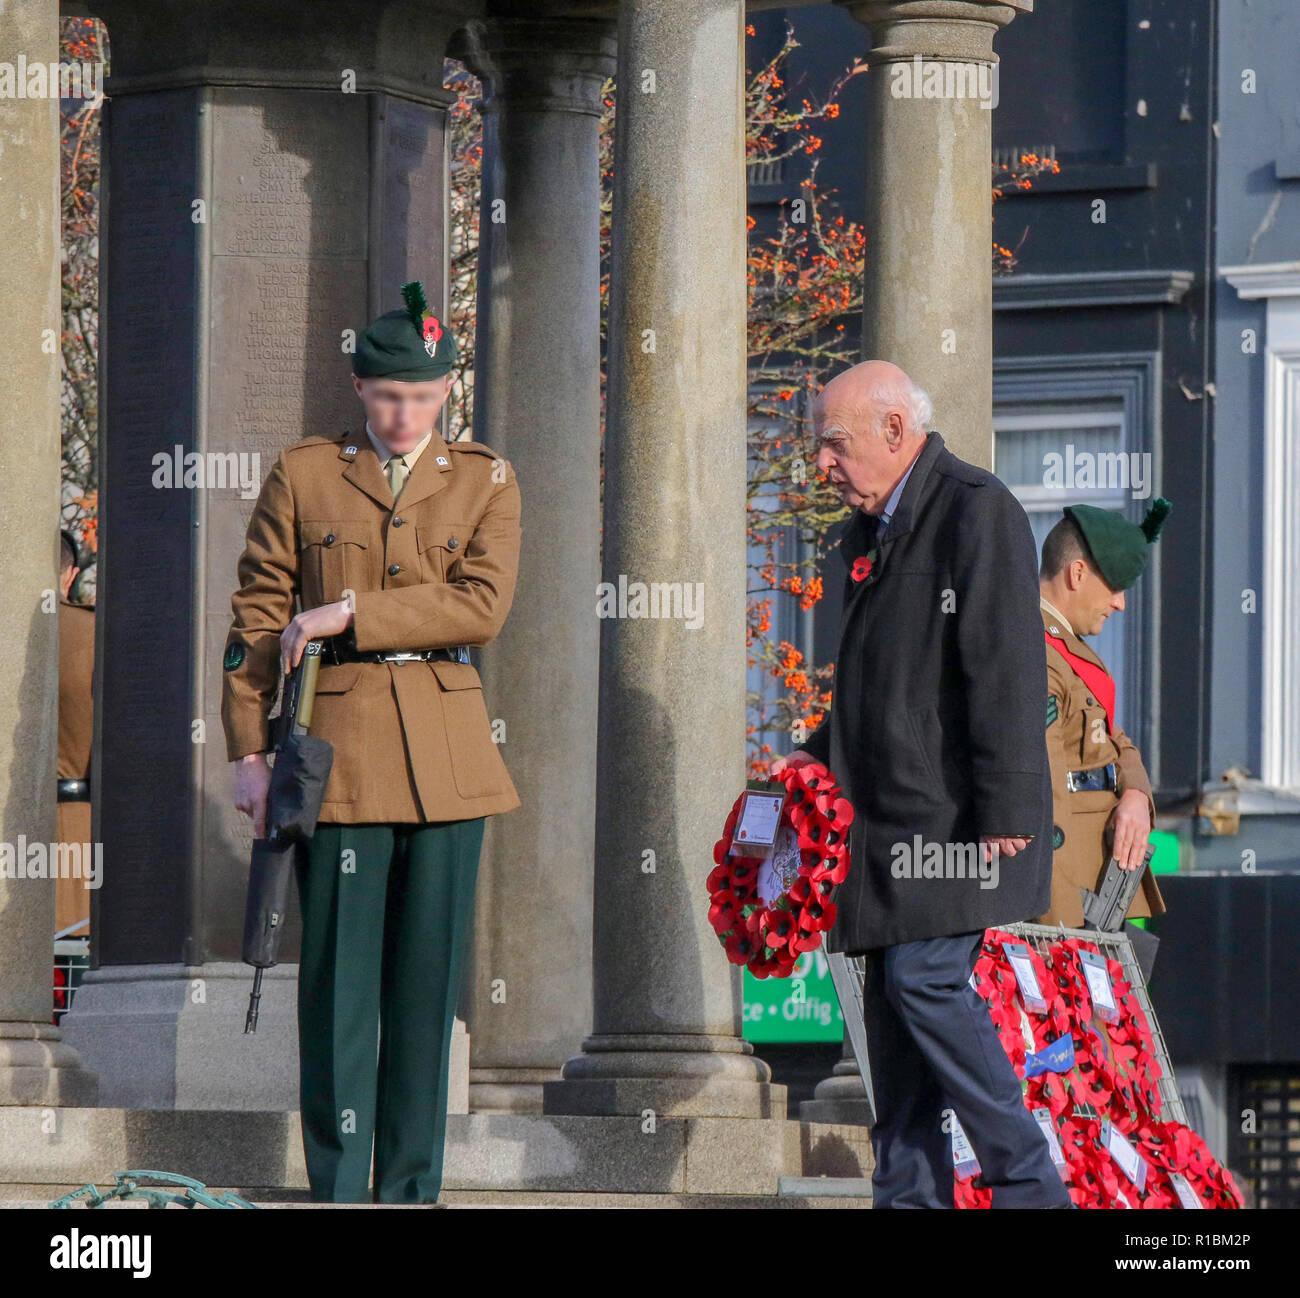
397	470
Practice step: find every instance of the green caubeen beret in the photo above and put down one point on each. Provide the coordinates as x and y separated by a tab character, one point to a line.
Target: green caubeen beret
410	344
1118	547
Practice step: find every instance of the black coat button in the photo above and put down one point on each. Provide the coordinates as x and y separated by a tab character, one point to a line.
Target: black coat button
394	569
452	543
397	522
329	540
1090	700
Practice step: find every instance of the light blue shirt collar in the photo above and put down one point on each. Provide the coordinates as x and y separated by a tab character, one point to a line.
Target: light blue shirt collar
891	504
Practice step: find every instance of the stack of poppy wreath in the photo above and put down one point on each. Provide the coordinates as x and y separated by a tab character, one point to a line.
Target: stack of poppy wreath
768	933
1113	1075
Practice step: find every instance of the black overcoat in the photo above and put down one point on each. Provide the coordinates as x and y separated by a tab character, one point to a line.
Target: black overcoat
936	728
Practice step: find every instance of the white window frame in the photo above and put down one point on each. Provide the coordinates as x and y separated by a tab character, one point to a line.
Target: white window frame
1278	284
1058	383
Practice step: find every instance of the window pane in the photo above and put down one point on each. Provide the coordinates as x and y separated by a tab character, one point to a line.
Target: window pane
1024	438
1022	443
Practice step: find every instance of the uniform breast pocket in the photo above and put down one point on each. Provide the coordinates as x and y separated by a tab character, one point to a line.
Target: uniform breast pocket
1095	746
440	545
331	558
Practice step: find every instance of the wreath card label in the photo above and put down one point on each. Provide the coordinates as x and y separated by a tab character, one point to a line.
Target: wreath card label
1099	988
1023	967
760	818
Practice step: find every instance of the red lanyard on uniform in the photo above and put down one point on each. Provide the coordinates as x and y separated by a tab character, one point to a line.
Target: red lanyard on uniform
1097	679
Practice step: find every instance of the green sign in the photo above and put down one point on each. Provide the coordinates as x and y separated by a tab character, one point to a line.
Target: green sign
1165	853
802	1007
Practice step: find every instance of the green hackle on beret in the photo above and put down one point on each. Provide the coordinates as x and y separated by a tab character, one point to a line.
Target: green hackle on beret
410	344
1118	547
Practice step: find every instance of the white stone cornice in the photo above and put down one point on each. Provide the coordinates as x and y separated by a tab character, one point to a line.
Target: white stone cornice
1268	279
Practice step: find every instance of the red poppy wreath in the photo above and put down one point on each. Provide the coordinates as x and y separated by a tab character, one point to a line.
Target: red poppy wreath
768	912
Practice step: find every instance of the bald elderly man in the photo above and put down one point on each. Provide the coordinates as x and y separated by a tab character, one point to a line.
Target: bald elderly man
936	733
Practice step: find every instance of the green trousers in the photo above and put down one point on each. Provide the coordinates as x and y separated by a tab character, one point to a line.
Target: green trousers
387	913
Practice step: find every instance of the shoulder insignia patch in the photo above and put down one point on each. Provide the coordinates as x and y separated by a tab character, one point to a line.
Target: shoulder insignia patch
234	655
311	441
1052	711
476	447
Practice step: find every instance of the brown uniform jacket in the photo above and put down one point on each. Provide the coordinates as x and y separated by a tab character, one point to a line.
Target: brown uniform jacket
412	740
76	731
76	705
1077	740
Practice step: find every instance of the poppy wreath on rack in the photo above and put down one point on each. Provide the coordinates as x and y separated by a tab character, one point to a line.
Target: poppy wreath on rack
766	930
1115	1075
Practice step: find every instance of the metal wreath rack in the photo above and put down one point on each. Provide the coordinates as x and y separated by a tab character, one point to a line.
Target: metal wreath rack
848	972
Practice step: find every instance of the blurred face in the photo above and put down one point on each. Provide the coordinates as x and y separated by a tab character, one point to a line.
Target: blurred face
1091	600
400	414
864	465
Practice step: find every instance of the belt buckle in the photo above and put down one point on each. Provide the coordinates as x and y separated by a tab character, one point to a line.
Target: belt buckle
1083	781
405	656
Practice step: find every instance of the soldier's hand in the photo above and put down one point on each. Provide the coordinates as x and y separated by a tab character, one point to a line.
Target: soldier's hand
252	780
312	624
795	759
1132	824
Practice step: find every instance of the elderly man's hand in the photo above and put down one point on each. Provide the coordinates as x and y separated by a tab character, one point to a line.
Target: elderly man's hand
1006	846
1131	820
795	759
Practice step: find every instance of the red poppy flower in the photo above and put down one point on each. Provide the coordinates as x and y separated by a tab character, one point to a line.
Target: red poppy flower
719	879
741	947
861	567
818	916
724	911
778	927
825	877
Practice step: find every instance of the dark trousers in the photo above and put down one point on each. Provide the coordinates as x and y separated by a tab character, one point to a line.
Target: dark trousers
932	1046
387	913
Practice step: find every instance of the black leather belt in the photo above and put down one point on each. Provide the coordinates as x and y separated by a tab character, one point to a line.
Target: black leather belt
1098	778
335	652
74	791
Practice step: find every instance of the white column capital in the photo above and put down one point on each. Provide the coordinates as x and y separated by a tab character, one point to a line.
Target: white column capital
957	31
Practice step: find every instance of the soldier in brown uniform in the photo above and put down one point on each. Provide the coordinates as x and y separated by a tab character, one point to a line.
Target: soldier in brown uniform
1101	796
76	730
401	550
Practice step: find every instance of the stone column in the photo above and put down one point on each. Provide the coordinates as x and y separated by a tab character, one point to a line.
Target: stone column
36	1065
841	1097
274	173
666	1033
537	402
928	295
